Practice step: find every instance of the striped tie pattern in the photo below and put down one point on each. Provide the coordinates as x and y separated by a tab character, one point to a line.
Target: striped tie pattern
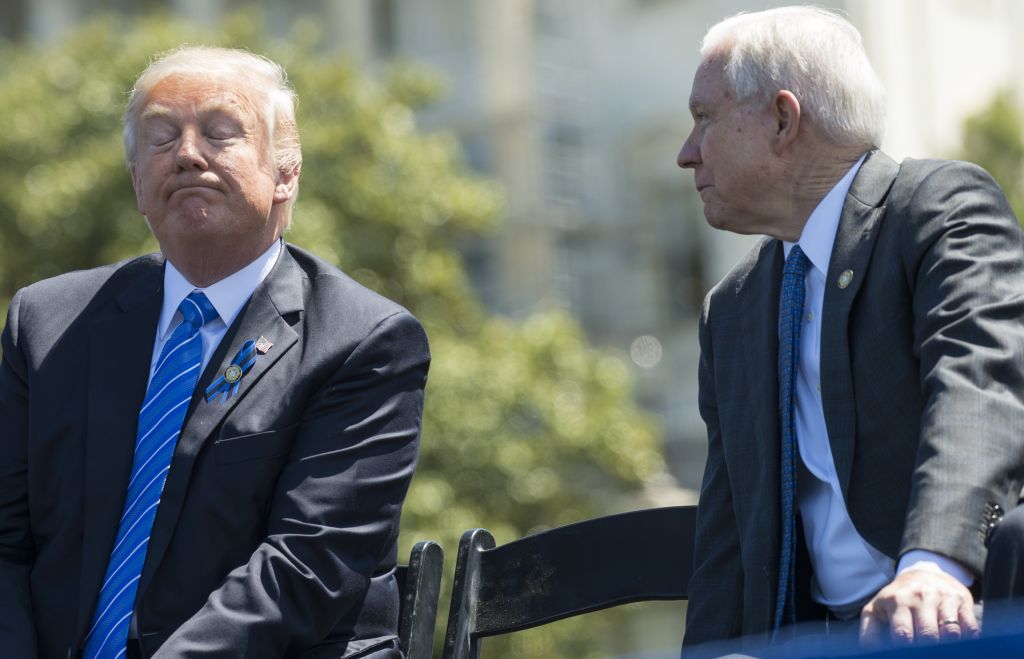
160	421
791	311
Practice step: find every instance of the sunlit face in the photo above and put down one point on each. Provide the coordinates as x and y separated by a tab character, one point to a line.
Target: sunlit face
728	151
203	170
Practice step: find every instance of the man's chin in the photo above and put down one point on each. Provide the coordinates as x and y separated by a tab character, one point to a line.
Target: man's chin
732	224
193	221
194	231
717	220
194	209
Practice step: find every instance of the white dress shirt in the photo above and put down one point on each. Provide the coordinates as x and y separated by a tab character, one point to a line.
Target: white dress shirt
847	570
228	296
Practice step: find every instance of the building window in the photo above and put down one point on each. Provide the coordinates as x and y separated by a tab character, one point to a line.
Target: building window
383	27
13	19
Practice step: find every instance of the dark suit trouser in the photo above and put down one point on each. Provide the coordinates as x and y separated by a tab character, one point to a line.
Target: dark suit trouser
1003	586
388	650
815	618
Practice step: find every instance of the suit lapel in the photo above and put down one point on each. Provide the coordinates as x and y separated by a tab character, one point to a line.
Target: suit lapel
271	312
120	353
758	303
851	254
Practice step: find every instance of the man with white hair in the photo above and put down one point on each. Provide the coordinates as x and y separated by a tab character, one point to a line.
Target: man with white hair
862	368
204	452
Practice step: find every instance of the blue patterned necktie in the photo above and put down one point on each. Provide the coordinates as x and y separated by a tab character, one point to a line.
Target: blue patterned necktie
160	420
791	312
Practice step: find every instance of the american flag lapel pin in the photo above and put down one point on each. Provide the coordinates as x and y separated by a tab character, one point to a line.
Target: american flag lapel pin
263	345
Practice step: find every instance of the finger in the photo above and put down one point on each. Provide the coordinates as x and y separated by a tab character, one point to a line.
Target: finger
872	629
969	625
901	626
950	626
926	626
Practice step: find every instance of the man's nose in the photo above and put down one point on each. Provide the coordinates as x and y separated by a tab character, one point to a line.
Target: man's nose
689	154
190	150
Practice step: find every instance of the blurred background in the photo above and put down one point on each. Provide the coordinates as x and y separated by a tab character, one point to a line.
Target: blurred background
505	169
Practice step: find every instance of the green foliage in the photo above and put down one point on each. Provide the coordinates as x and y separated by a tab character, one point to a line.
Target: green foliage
994	139
525	426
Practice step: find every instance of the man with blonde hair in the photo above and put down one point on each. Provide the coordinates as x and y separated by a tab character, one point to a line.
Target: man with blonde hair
205	451
862	368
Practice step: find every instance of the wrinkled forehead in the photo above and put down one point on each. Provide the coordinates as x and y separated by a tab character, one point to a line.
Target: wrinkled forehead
179	92
709	82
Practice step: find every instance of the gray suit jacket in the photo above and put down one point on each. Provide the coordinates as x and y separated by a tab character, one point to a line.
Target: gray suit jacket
275	534
922	363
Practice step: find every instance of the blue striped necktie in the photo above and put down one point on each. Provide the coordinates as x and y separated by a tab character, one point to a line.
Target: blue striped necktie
791	312
160	421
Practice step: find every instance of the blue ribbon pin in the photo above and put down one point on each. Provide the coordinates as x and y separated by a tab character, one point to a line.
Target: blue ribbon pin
227	383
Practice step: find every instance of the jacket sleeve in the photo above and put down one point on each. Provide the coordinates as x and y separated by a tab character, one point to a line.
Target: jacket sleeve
17	626
335	510
967	277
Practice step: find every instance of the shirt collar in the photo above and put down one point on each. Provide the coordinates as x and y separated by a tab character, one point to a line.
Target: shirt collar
819	233
227	295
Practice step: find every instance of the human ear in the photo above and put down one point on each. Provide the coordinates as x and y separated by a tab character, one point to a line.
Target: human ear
287	184
786	115
137	185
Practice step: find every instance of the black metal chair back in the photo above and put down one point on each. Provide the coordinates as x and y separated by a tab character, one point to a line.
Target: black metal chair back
567	571
419	584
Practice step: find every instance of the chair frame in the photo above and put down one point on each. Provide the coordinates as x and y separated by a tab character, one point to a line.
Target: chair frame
567	571
419	584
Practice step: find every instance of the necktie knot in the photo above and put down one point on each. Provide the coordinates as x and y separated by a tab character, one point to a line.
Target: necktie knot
796	263
197	309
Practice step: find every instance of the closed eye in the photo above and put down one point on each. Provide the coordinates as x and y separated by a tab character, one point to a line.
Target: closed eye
160	134
222	129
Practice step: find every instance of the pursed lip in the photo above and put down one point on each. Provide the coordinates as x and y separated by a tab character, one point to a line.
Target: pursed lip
194	185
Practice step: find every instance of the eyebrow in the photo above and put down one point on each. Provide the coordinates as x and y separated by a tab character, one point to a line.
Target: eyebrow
154	111
160	111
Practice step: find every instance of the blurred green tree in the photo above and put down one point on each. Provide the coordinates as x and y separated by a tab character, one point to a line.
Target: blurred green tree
525	426
994	139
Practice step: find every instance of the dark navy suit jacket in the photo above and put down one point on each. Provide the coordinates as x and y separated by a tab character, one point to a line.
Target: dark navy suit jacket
922	384
276	530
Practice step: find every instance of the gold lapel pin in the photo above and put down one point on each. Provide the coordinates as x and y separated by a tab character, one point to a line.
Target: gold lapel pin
845	278
233	374
263	345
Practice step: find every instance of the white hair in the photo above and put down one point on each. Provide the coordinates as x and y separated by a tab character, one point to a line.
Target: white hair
262	75
814	53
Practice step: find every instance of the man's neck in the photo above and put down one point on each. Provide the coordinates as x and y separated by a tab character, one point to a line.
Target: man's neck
204	269
811	178
204	263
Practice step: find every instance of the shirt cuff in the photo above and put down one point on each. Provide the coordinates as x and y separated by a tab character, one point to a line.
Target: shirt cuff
921	559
